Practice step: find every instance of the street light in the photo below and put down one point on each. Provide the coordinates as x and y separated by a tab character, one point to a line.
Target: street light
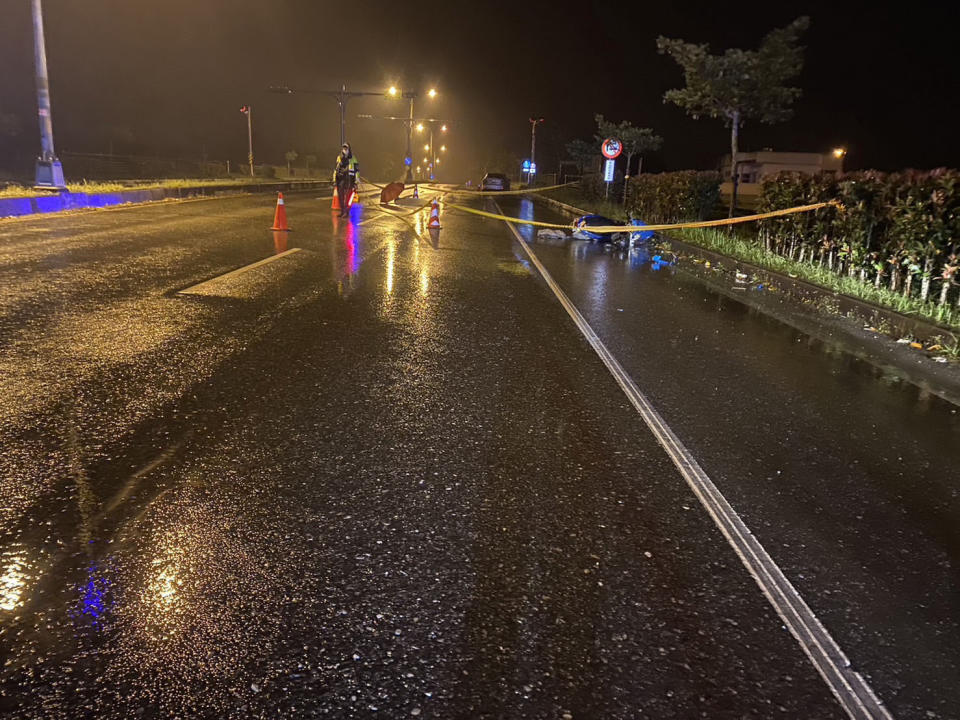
839	152
248	111
427	146
392	92
432	93
443	128
443	148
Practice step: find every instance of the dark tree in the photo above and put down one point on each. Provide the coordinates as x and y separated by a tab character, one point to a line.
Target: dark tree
739	84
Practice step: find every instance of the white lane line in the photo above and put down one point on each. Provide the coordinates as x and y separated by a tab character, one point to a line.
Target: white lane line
238	271
853	692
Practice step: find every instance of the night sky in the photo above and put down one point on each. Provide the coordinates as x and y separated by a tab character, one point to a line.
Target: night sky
169	77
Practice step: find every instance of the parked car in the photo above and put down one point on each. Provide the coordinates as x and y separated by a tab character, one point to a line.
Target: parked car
495	181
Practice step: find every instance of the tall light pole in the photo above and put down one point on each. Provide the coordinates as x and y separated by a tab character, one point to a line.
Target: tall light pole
49	172
407	120
248	111
533	148
432	148
411	96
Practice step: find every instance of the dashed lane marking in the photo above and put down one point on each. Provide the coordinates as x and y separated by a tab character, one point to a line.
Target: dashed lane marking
851	690
239	271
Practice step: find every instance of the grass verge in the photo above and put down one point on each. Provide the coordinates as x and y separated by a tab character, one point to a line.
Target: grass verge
746	249
19	191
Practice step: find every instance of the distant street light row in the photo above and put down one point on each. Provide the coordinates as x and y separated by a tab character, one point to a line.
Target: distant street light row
343	96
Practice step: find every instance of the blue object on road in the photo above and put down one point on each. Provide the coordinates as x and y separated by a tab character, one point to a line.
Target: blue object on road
582	223
640	235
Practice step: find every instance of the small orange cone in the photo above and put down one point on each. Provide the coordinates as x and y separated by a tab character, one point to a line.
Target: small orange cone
434	222
280	216
336	200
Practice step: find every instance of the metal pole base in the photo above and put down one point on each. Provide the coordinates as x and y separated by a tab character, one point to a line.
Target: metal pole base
49	175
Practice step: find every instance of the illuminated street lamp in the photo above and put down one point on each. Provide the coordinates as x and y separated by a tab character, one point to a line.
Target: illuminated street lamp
443	148
839	152
427	146
432	93
392	92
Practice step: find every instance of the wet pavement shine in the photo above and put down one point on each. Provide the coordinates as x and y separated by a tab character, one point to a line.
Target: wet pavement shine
384	476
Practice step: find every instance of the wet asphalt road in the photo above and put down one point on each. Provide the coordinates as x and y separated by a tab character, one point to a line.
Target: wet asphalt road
384	476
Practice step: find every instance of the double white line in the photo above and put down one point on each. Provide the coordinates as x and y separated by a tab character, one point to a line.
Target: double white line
851	690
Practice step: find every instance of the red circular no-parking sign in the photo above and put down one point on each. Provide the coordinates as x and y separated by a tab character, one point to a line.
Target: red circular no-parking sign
611	148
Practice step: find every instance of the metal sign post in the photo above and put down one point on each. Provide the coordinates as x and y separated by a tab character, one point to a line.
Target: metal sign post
611	149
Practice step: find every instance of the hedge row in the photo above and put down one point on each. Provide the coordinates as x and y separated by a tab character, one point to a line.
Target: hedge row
669	197
899	230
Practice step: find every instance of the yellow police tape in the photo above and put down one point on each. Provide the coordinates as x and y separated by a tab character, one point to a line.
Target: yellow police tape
649	228
475	193
498	193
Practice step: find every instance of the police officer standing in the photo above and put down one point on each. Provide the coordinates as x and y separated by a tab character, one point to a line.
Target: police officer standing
345	175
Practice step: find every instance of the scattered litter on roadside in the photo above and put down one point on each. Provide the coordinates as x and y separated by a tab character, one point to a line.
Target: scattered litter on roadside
742	277
934	348
903	341
939	359
916	345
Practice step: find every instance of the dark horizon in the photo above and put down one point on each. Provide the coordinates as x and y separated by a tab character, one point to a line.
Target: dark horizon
169	80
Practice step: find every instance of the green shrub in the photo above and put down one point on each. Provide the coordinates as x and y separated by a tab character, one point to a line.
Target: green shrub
899	230
672	197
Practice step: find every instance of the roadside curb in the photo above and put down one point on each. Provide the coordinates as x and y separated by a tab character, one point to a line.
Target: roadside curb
60	202
563	206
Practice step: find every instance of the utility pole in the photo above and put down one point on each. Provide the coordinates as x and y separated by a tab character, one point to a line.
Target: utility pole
533	148
49	172
248	111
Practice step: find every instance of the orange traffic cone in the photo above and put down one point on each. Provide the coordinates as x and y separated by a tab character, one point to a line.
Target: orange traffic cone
280	216
434	222
336	200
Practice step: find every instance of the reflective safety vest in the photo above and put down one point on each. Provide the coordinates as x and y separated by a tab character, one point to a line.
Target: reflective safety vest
349	169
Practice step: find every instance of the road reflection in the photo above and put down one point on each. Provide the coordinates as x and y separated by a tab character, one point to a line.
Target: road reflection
16	574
